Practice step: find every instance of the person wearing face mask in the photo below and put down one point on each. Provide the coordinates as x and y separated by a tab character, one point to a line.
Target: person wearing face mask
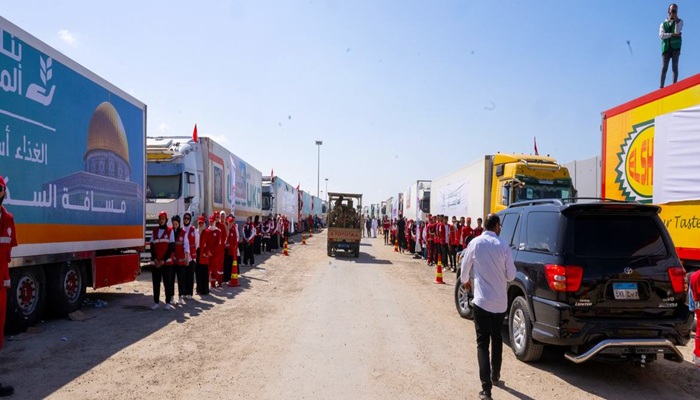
670	32
492	262
8	240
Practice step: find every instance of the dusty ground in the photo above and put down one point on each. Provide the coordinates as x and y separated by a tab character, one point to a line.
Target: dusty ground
303	327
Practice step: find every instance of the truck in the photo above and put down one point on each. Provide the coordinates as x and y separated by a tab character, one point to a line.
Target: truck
649	154
416	200
344	220
279	198
586	176
72	153
200	176
489	184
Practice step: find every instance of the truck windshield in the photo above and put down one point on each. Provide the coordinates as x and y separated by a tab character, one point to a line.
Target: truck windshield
163	187
534	192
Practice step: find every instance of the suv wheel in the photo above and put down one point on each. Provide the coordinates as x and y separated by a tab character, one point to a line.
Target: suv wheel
462	299
520	327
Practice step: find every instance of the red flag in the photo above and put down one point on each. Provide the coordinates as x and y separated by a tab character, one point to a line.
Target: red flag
194	134
536	152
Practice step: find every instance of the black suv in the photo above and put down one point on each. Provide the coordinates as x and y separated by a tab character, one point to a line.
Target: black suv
601	278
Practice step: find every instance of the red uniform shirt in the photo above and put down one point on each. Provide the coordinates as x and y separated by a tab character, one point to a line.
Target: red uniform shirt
8	240
209	242
440	233
180	258
233	240
161	243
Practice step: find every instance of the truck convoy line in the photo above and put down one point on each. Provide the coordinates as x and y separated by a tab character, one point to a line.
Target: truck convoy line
483	186
85	184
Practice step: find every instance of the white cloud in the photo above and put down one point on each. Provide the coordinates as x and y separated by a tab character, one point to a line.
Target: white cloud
67	37
163	128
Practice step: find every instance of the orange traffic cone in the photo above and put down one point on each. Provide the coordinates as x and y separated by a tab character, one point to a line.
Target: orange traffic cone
303	239
438	276
396	245
285	249
234	274
311	231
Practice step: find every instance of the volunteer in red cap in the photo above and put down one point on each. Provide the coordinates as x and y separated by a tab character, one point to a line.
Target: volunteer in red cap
8	240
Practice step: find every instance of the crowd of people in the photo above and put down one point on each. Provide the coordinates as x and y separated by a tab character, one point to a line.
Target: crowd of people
204	254
434	238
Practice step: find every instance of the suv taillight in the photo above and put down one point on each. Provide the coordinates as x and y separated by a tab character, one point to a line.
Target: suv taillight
563	278
677	276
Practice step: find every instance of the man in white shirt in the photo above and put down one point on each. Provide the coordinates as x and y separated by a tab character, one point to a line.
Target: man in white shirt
492	261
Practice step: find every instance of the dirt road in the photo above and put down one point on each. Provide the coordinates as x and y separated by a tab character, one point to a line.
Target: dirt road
303	327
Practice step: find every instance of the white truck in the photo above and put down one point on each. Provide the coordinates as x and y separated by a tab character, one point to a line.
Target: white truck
586	176
279	197
416	200
199	176
72	152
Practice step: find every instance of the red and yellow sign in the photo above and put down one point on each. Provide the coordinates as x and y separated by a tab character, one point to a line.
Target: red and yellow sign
628	159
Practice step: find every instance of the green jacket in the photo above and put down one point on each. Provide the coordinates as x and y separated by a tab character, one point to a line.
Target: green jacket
673	43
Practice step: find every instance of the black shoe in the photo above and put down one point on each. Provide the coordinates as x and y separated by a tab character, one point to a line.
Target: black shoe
6	390
484	395
495	379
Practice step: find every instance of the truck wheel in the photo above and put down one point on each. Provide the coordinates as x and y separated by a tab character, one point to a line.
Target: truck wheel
462	299
330	252
26	298
66	288
520	327
357	252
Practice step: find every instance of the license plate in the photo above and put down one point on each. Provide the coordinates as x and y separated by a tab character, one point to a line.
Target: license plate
343	245
625	291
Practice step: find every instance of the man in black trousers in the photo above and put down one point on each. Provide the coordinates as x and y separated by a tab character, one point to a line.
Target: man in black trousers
492	261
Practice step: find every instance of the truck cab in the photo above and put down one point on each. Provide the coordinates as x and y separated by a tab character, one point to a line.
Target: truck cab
172	180
519	177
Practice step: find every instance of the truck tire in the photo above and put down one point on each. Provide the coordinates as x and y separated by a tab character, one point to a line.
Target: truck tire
462	299
66	284
25	299
520	328
357	251
330	250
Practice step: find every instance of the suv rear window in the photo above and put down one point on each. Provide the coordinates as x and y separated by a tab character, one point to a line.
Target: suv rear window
542	228
618	236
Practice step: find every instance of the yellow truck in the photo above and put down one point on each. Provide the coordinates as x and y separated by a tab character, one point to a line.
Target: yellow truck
344	220
651	154
489	184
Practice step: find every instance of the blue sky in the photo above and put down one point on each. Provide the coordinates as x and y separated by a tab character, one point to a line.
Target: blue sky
397	90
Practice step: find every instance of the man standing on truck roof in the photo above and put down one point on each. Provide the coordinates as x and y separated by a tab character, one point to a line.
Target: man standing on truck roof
8	240
671	39
492	261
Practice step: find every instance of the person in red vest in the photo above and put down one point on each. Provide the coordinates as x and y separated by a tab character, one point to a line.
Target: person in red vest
192	235
162	246
8	240
694	294
467	233
202	267
216	260
479	229
181	255
209	243
266	234
231	247
430	239
221	252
